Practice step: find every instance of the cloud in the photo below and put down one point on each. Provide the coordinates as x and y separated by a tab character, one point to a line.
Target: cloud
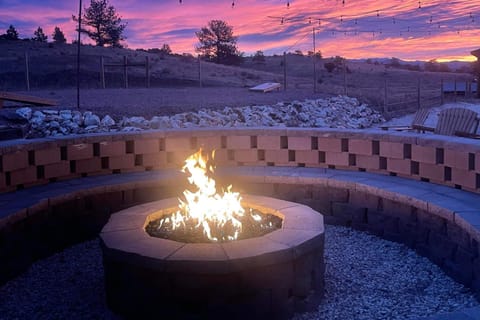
360	28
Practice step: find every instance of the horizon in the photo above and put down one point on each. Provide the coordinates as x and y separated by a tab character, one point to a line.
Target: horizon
408	30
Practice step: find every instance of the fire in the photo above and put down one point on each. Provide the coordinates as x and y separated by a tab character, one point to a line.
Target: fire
217	214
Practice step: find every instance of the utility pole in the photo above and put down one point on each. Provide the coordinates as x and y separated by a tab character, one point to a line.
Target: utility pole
314	64
78	52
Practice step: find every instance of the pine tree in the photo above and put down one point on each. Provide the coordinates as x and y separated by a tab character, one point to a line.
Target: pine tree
39	36
58	36
105	25
11	34
217	43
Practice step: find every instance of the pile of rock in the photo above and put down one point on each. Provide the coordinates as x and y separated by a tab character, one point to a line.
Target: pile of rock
336	112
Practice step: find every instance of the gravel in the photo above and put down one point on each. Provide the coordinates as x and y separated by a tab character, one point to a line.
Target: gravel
366	278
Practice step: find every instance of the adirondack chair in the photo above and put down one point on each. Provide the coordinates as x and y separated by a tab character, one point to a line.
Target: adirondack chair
418	120
455	121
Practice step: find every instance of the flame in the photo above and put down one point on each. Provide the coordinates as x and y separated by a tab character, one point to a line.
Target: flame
217	214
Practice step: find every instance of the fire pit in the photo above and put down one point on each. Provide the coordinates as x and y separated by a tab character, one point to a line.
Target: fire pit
271	275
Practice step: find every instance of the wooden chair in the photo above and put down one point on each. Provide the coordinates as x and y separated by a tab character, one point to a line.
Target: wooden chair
454	121
418	120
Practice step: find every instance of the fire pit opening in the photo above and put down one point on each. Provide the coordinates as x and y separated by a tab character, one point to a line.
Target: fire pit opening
218	255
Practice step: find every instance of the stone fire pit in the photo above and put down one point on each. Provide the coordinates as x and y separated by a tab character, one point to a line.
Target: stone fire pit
271	276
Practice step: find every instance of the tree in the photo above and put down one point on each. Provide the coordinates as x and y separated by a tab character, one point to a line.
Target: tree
39	36
105	25
217	43
259	57
11	34
165	50
58	36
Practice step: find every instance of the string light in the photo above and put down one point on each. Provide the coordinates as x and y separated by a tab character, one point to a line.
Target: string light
233	4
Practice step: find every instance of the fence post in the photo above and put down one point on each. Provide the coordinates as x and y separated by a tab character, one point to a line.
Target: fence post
199	71
455	89
102	72
125	74
442	97
27	71
418	94
147	71
385	96
284	71
345	76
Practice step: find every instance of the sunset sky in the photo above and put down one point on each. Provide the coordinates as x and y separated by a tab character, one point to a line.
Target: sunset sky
406	29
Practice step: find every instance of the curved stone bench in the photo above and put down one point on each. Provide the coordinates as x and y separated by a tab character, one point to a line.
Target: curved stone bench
439	222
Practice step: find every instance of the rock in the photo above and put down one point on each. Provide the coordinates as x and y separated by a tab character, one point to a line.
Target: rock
90	119
107	121
66	114
25	113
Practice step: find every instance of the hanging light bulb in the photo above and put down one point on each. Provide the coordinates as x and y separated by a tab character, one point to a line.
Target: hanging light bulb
378	13
343	2
233	4
180	1
419	4
288	4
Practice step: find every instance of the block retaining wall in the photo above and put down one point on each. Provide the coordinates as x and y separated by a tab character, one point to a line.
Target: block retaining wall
431	230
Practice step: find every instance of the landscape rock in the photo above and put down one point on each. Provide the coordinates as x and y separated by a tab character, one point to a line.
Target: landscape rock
336	112
25	113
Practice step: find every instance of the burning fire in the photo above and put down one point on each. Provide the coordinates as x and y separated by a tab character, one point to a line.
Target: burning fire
217	214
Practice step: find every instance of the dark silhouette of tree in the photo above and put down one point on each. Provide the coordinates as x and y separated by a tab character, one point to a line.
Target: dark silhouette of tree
39	36
165	49
105	25
259	57
218	44
58	36
11	34
330	66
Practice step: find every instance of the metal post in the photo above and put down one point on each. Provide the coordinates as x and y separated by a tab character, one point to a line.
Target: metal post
199	71
102	74
284	71
442	97
147	72
418	94
314	65
385	96
125	74
345	76
78	52
27	72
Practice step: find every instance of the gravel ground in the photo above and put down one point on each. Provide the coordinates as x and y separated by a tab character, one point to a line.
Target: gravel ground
164	101
385	281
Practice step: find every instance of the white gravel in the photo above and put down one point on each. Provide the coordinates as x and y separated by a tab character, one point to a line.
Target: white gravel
366	278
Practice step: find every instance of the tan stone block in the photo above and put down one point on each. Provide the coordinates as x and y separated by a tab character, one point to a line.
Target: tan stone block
336	158
148	146
424	154
238	142
14	161
155	160
368	162
25	175
431	171
279	156
391	149
126	161
57	170
300	143
456	159
112	148
464	178
360	147
47	156
402	166
330	144
268	142
79	151
88	165
246	155
209	143
302	156
178	144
